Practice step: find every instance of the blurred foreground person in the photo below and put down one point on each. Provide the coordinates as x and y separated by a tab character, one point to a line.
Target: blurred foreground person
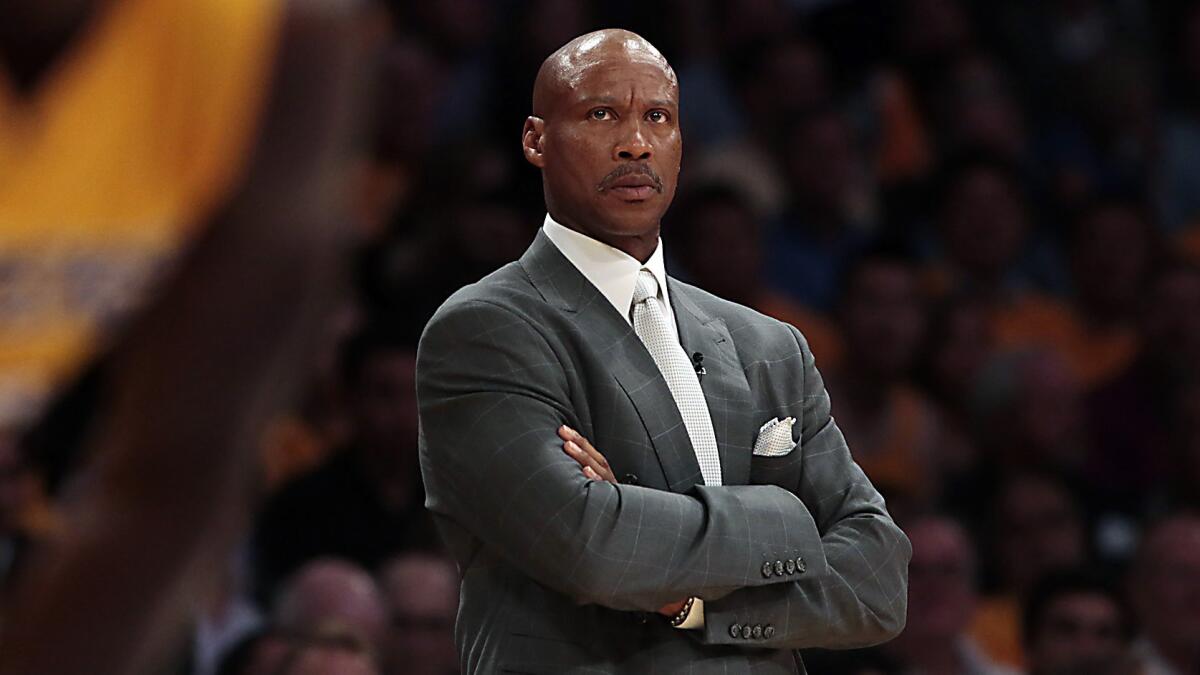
1165	593
167	202
1076	624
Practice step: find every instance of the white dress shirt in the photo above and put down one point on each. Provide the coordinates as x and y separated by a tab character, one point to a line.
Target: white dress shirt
614	272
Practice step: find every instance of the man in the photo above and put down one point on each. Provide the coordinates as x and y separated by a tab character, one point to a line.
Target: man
584	339
333	594
1076	624
421	590
372	483
1165	594
943	598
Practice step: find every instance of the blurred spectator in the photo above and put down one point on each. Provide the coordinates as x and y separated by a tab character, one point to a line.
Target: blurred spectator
25	514
942	597
421	590
365	503
717	238
747	157
321	653
975	109
1030	413
830	215
1179	168
1165	593
958	347
892	429
1131	414
263	652
225	619
330	595
1076	624
1035	527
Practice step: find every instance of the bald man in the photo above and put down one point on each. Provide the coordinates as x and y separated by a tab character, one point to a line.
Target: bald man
636	476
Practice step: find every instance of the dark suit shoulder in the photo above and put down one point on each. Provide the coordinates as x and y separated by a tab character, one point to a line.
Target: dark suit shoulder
746	325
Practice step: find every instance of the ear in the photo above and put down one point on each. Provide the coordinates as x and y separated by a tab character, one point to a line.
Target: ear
531	140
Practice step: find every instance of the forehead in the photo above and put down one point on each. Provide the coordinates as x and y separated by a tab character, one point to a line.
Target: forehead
621	78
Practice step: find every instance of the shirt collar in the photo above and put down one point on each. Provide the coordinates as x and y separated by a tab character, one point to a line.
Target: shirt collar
612	271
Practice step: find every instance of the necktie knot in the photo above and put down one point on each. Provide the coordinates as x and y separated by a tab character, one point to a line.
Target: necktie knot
646	286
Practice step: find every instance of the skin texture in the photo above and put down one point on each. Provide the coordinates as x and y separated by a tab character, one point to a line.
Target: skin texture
605	133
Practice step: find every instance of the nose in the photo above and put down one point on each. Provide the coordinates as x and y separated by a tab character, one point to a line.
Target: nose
633	145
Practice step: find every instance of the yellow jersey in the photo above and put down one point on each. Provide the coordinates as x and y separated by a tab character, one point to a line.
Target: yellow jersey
108	167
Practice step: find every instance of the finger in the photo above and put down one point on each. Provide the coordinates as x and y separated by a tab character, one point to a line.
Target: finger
590	473
567	433
591	450
579	455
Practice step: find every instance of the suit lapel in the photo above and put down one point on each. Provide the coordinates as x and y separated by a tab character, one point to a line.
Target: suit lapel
724	383
609	335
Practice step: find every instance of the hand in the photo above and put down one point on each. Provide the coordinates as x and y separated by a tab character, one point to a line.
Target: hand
672	609
595	466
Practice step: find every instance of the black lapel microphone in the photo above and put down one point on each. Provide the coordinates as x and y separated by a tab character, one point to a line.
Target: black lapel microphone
698	364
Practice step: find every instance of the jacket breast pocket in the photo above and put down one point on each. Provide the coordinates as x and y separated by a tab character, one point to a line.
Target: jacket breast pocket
783	470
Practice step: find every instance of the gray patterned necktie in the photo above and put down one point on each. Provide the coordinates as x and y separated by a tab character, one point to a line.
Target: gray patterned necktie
651	325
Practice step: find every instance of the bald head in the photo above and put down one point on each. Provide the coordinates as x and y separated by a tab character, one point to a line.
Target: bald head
563	70
605	133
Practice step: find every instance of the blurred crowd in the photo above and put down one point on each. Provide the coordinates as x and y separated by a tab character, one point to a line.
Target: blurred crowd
985	218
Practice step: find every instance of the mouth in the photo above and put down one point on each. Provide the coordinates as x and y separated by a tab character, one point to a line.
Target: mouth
632	185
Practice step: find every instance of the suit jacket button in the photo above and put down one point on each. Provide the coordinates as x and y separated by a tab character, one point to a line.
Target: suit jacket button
779	567
790	565
800	566
630	479
769	632
766	569
747	632
735	630
758	631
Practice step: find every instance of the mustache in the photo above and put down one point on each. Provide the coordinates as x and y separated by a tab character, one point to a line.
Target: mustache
630	169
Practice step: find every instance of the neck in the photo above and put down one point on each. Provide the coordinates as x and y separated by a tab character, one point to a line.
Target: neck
639	246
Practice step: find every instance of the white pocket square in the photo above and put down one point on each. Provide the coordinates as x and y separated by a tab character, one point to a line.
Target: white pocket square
775	438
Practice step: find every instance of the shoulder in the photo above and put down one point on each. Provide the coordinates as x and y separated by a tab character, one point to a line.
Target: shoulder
750	329
503	305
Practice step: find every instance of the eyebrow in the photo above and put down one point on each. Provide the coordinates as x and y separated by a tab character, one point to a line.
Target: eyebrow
612	100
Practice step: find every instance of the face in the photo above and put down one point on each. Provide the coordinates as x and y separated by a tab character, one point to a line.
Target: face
609	144
1039	531
941	581
1110	257
883	318
385	411
1079	633
985	223
1167	591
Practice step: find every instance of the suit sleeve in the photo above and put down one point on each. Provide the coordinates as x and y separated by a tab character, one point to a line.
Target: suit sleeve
863	598
492	393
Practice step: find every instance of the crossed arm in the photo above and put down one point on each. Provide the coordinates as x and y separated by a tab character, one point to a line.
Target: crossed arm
485	371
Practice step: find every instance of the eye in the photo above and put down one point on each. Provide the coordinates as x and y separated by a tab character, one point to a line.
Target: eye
600	114
658	116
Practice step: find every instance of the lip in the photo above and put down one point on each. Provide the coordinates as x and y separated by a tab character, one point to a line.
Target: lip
633	193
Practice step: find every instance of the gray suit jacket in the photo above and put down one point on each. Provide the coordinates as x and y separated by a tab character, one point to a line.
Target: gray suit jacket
561	574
